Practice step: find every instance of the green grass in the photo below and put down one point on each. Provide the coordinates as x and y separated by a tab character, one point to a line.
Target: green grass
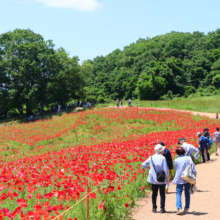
48	114
200	104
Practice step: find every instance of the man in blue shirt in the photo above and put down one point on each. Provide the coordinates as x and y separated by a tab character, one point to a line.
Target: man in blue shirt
204	143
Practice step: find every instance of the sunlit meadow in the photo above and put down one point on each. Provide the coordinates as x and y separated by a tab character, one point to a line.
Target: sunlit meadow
47	165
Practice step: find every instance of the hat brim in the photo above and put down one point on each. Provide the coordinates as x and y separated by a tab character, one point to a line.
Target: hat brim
162	149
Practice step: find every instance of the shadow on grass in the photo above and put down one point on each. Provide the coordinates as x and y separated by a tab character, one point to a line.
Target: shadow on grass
43	116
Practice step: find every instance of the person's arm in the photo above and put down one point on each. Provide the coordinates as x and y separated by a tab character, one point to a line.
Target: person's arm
170	161
165	169
196	152
193	167
146	163
207	141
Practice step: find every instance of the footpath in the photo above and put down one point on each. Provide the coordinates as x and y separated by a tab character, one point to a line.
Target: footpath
204	204
210	115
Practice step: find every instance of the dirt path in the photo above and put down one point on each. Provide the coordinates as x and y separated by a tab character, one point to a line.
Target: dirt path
207	114
210	115
204	204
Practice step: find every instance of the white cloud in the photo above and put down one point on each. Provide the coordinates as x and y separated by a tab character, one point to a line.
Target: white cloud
82	5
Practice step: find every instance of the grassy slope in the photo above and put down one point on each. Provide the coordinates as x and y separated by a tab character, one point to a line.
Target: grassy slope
201	104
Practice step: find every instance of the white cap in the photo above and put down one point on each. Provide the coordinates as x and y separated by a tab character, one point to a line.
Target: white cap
159	148
198	134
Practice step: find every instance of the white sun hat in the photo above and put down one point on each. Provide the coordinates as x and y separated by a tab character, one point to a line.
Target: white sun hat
159	148
198	134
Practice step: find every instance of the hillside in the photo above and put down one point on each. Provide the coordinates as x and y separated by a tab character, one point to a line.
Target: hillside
172	65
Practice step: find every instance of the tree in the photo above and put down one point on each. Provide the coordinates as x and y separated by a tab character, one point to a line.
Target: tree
33	73
28	64
181	59
151	87
189	90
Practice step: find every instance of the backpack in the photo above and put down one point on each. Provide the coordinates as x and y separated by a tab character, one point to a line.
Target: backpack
210	141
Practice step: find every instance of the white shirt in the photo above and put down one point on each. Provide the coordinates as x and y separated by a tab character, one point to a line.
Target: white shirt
189	150
160	164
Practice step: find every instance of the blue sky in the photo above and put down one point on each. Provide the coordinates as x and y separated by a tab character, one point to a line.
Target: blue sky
90	28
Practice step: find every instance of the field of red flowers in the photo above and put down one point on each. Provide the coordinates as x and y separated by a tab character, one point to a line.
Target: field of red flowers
48	166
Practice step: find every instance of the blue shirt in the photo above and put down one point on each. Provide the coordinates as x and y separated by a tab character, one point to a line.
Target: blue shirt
160	164
180	164
204	142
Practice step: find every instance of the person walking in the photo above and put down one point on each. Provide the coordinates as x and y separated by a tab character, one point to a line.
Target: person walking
169	160
157	164
189	149
129	102
59	107
206	130
121	102
216	140
210	143
180	164
117	103
203	145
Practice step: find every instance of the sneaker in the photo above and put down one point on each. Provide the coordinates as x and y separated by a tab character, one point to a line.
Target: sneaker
186	211
179	212
154	210
162	211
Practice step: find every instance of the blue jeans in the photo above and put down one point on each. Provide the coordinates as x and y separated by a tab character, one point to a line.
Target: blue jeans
179	189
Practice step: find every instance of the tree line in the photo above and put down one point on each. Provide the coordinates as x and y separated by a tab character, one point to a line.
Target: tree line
33	73
164	67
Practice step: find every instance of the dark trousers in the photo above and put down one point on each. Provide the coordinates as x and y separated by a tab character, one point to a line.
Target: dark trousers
203	151
162	195
208	156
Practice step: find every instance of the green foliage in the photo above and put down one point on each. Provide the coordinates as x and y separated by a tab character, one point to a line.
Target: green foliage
172	65
33	73
189	90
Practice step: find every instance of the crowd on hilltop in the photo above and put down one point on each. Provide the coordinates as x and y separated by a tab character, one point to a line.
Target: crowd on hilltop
160	164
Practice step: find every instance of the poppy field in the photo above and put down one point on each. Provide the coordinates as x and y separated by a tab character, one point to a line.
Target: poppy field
48	167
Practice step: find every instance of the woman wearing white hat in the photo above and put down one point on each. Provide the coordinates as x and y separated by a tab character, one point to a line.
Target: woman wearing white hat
158	176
